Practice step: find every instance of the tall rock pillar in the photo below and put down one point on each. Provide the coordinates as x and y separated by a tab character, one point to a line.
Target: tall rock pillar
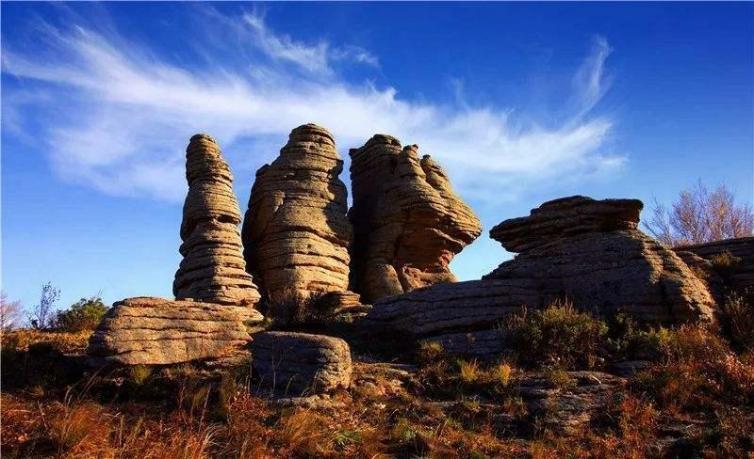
408	223
296	234
213	268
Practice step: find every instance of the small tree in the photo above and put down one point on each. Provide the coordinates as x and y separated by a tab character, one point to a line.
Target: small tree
10	312
85	314
700	216
41	316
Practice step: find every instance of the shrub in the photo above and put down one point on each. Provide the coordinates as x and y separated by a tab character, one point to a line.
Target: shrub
697	371
85	314
724	264
296	308
502	373
558	378
557	335
140	374
429	352
468	371
736	317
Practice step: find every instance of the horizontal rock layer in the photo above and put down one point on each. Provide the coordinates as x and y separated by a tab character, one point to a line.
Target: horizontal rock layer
408	222
566	217
213	268
297	363
296	234
156	331
603	271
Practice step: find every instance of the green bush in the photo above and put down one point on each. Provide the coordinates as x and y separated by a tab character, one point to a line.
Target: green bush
85	314
557	335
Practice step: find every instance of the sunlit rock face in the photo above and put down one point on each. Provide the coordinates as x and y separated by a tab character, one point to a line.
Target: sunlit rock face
213	268
408	222
156	331
296	234
577	249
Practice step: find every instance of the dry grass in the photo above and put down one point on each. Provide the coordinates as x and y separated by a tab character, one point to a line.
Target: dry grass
456	408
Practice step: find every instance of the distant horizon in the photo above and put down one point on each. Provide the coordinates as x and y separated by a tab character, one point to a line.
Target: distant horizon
519	103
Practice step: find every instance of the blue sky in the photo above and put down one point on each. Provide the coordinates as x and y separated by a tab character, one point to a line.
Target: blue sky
519	102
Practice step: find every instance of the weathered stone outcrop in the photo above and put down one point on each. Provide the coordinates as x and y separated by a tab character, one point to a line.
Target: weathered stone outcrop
156	331
561	218
213	268
408	223
606	266
299	363
603	265
296	234
738	271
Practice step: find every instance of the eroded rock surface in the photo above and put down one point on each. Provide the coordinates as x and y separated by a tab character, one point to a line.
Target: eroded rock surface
604	267
408	223
213	268
156	331
296	234
300	363
738	272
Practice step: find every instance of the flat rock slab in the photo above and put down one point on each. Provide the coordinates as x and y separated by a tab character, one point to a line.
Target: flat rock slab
157	331
299	363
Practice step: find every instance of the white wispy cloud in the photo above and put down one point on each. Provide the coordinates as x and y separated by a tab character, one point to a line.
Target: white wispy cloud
124	114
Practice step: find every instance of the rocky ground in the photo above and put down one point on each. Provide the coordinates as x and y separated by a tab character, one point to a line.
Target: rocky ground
614	392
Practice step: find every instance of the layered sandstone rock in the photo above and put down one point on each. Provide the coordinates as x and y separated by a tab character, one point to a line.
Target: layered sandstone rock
156	331
213	268
737	256
408	223
296	234
299	363
602	265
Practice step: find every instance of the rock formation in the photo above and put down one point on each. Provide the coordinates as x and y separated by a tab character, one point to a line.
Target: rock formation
156	331
739	276
587	251
296	234
601	261
213	268
408	223
299	363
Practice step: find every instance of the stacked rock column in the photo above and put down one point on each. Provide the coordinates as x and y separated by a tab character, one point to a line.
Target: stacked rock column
296	234
213	268
408	222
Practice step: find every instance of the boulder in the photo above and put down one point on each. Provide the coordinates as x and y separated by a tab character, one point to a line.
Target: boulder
296	234
603	265
299	363
408	223
213	268
156	331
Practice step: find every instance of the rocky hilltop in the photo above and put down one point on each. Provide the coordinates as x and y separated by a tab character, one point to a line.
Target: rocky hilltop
394	246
